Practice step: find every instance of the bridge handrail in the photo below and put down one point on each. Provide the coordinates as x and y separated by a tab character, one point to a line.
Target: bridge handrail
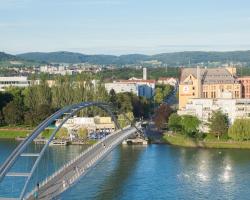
44	182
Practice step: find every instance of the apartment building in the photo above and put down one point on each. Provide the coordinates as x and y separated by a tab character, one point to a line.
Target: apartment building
145	88
207	83
203	108
16	81
245	83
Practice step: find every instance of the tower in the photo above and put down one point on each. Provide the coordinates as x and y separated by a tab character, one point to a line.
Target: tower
199	87
144	73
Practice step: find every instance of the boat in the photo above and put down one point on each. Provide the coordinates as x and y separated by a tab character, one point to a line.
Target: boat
58	142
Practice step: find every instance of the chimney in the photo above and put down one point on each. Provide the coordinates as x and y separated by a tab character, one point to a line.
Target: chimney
144	73
199	88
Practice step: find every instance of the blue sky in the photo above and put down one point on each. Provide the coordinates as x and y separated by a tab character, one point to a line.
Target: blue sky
124	26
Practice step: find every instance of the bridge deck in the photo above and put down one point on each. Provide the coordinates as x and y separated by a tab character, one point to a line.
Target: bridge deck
71	172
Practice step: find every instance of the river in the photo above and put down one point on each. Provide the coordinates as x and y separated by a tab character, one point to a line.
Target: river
151	172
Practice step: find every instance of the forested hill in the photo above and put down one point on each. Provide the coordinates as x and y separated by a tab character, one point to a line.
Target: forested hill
70	57
178	58
7	57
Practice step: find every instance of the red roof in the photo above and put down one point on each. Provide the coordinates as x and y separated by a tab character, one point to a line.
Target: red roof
138	81
165	78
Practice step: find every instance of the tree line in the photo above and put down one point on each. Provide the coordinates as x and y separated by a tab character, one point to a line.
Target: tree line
218	126
29	106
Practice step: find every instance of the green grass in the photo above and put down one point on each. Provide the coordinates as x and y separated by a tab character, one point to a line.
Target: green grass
14	132
11	134
46	133
180	140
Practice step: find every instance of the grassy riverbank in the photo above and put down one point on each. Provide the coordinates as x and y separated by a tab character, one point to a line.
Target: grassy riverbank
13	133
180	140
22	132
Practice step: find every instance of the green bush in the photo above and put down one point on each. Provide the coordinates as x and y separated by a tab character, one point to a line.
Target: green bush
240	130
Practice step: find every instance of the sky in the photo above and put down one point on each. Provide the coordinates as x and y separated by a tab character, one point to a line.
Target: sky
124	26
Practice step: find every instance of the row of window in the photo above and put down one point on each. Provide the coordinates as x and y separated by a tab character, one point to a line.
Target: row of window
228	87
13	82
213	94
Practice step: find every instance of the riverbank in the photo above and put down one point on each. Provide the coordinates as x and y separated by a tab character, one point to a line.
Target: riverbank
9	133
18	133
180	140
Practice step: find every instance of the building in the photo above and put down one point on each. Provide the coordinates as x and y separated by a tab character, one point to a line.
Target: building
61	70
245	84
207	83
16	81
92	124
168	81
120	87
145	88
144	73
203	108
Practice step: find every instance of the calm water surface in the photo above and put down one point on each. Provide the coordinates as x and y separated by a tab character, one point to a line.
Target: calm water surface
152	172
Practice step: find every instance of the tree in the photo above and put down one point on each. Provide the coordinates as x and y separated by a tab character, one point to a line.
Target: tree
174	122
42	112
218	124
141	106
82	133
123	121
161	116
44	93
240	130
62	133
190	125
124	102
167	89
113	97
5	98
158	96
162	91
12	114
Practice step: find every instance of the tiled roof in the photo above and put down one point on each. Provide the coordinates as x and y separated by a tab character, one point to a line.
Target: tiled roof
165	78
209	76
138	81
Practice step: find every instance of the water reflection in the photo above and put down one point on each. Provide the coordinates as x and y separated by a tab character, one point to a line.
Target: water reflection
160	172
126	164
53	159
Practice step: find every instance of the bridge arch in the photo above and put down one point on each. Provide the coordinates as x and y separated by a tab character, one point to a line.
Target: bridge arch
67	113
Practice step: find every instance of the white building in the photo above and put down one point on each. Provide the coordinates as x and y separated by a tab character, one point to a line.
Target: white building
203	108
90	123
61	69
120	87
145	88
144	73
16	81
168	80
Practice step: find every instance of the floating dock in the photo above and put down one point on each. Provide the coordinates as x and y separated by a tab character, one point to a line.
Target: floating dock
135	141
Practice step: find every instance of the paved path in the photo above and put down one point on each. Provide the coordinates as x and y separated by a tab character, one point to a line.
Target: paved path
69	174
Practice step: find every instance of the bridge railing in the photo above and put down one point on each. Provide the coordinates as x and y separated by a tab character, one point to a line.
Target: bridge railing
47	179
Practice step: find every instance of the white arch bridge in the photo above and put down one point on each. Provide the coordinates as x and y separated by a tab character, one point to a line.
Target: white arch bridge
71	172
